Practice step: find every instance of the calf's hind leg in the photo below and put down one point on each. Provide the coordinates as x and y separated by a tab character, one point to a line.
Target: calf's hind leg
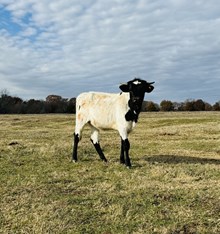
75	146
77	136
95	142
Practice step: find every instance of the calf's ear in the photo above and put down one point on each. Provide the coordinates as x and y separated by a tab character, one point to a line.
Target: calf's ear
124	88
149	87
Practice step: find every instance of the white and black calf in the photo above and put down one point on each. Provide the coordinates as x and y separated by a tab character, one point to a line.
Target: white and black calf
110	111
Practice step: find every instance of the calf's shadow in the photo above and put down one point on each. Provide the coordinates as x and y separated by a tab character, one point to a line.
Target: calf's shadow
176	159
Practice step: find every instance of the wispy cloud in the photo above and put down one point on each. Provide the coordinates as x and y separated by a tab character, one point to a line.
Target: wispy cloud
66	47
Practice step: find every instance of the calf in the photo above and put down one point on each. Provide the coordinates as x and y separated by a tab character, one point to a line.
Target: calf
110	111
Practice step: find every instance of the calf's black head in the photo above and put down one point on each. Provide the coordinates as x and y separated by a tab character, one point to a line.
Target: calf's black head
137	88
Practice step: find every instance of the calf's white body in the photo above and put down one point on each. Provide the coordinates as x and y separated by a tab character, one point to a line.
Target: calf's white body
103	111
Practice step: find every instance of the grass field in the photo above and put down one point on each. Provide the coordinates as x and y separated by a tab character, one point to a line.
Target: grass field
173	186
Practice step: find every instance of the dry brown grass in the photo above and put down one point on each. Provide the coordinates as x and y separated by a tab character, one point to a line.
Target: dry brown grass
173	186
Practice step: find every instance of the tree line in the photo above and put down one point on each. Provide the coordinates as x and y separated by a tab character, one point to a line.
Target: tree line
57	104
52	104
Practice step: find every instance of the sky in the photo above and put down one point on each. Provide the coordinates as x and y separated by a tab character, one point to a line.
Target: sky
66	47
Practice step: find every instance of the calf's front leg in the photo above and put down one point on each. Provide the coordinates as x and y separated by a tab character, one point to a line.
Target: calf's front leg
124	156
126	147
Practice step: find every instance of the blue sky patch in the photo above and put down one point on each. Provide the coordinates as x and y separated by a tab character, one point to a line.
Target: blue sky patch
7	23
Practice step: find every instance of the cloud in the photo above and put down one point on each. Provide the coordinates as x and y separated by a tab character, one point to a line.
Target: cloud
66	47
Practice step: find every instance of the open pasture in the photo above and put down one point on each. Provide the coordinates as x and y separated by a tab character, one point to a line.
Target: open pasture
173	186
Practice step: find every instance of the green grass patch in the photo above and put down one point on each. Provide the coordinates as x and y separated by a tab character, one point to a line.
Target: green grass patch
173	186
